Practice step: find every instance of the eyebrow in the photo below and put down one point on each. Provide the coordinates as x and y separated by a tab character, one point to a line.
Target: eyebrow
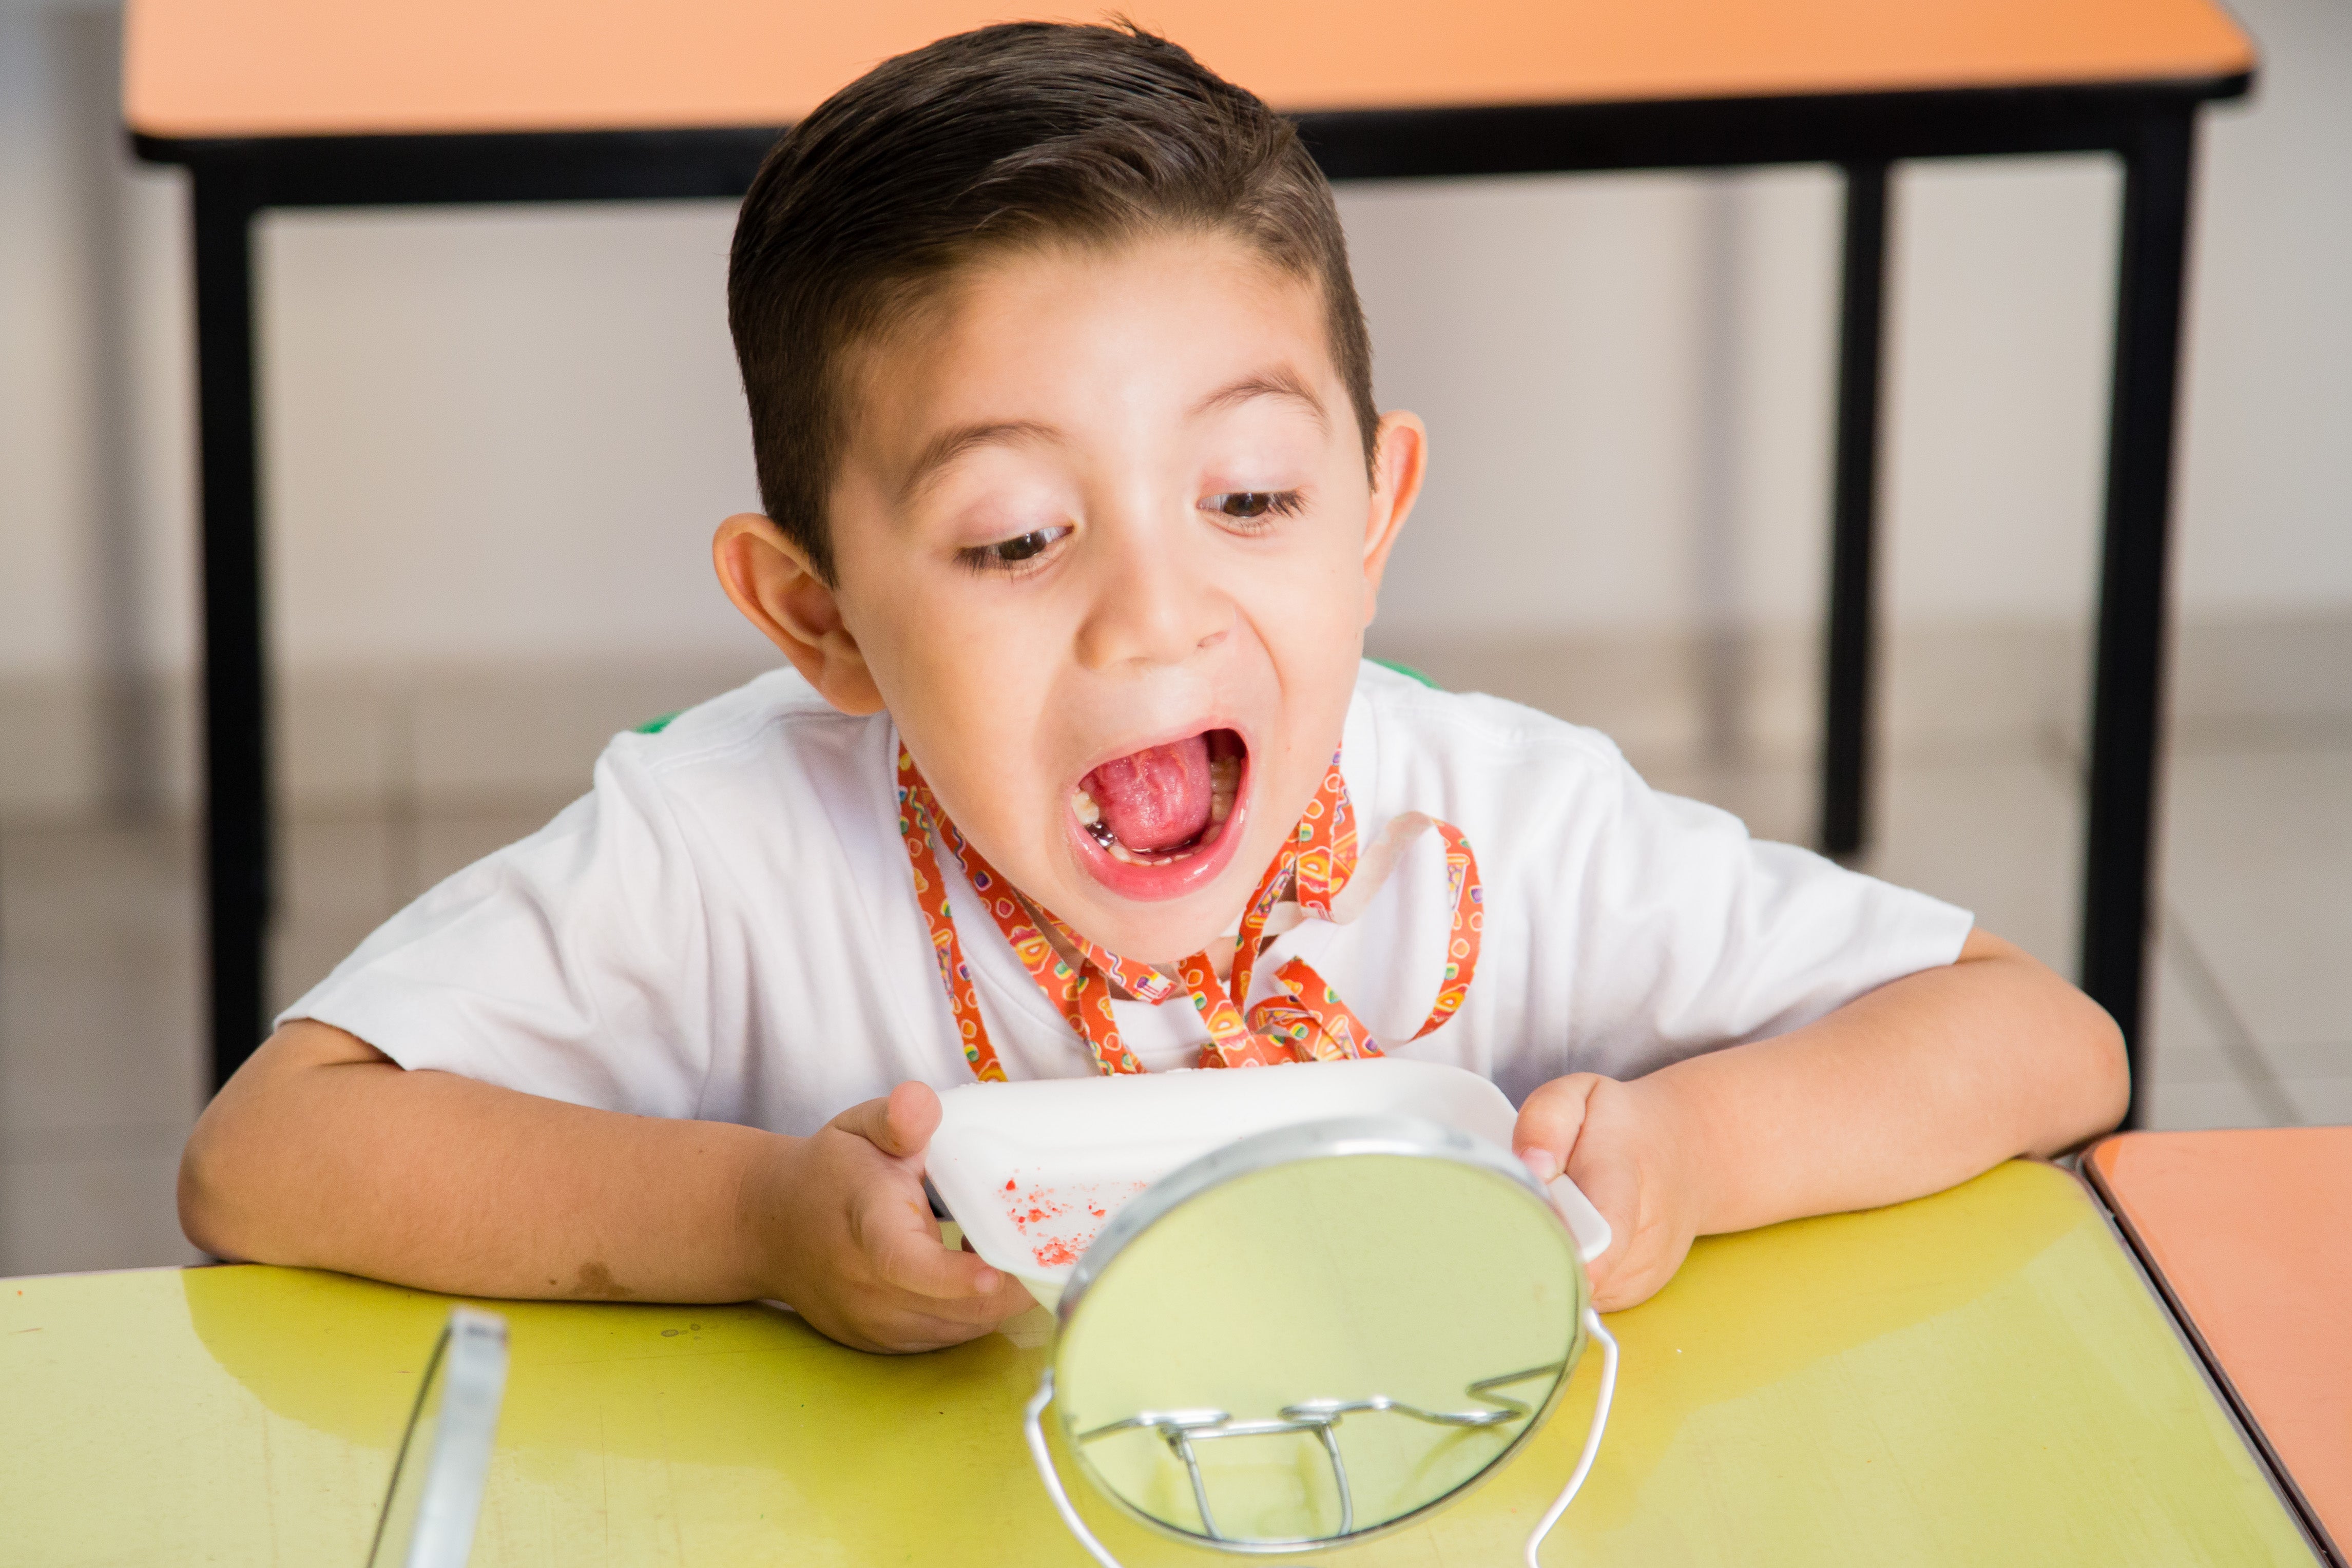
1279	381
950	444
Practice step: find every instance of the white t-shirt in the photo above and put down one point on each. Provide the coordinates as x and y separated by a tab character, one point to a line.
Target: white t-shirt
724	926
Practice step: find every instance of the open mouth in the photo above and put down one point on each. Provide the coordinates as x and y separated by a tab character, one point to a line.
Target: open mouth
1156	819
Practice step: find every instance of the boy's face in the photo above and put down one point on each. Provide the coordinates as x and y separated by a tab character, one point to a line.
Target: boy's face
1106	550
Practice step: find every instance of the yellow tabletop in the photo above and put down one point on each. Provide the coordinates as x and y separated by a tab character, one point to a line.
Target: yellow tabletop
1977	1377
283	67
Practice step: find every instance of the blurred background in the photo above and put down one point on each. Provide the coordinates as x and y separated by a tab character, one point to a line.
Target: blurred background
496	441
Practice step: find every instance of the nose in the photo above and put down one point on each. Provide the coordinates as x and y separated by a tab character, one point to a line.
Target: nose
1155	600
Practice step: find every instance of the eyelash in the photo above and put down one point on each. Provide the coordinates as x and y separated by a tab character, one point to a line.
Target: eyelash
1271	503
988	558
1033	544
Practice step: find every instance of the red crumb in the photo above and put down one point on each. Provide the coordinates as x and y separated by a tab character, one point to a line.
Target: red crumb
1060	1222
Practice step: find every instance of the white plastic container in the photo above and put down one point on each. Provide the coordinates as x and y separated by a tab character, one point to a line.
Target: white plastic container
1033	1171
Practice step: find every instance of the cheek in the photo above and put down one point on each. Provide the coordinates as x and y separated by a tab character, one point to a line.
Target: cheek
1316	600
973	696
969	680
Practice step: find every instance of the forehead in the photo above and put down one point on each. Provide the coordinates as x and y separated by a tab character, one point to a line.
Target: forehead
1084	333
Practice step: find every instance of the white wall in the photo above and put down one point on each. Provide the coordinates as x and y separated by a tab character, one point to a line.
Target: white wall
2267	495
501	434
1566	340
500	437
96	437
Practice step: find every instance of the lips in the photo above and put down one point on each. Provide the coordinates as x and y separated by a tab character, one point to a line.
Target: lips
1159	821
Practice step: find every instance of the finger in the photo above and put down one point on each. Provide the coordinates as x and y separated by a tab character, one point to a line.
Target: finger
906	1257
893	1331
908	1332
914	1336
868	1119
1549	1124
1615	1187
1009	1299
1604	1169
913	1116
899	1124
1614	1290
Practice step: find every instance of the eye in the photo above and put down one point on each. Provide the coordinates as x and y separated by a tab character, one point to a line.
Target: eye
1251	505
1006	555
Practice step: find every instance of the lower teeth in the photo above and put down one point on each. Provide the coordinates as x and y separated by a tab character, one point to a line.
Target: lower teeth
1120	853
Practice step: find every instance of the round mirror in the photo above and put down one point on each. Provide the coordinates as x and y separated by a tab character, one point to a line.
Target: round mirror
1315	1334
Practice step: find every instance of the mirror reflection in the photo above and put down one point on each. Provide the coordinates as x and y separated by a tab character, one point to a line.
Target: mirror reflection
1319	1349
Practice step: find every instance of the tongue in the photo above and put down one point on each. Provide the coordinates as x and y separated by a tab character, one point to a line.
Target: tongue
1155	798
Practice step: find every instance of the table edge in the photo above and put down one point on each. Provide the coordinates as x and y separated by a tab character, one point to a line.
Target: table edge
159	142
130	1268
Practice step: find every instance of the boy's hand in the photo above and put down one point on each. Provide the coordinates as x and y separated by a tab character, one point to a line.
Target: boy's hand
850	1241
1619	1143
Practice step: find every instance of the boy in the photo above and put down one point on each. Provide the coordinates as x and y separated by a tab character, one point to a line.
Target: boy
1076	506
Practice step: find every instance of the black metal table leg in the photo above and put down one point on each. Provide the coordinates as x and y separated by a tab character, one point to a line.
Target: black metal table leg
1846	718
236	729
2128	683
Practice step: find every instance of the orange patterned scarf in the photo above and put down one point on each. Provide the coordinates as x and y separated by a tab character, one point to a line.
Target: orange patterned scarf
1303	1020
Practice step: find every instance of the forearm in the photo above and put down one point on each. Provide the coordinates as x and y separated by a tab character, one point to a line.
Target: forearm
1919	1085
324	1152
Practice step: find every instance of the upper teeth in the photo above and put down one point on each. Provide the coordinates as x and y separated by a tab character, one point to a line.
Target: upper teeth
1084	805
1224	783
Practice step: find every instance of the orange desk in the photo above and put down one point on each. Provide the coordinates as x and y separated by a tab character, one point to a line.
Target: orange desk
276	103
2250	1235
207	70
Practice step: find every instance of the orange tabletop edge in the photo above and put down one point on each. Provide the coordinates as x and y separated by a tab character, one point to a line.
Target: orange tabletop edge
2251	1231
201	69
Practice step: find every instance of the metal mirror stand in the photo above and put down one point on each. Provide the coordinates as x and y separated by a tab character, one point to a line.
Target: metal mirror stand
1182	1429
1321	1418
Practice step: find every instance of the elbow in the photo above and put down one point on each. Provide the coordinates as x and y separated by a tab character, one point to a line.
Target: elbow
2101	1077
258	1178
2115	1078
234	1178
2068	1062
225	1169
203	1186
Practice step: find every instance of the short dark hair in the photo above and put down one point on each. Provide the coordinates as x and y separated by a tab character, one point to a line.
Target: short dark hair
1005	136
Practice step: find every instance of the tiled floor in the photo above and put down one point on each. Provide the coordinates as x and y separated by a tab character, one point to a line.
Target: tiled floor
99	982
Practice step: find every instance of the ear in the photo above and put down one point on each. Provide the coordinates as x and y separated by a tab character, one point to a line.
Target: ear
770	579
1399	460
